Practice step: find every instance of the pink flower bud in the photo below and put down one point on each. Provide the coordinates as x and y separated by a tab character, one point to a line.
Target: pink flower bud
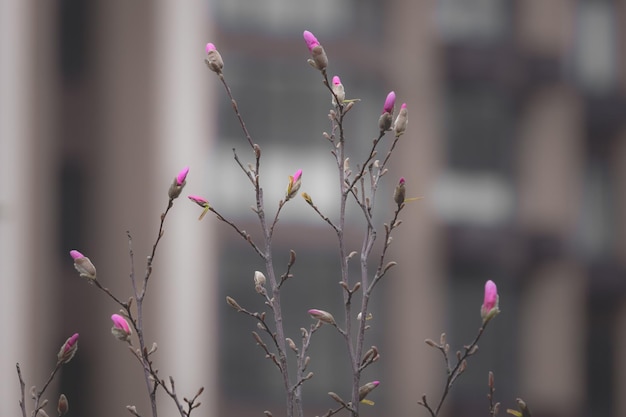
182	176
83	265
121	330
490	307
198	200
311	40
294	185
401	121
68	350
213	59
202	203
178	184
338	90
319	61
390	102
321	315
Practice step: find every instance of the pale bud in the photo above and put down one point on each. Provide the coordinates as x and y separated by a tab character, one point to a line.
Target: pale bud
259	278
83	265
321	315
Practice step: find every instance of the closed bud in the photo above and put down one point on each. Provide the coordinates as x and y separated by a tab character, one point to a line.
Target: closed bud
62	405
490	307
83	265
231	302
294	185
338	91
68	350
319	59
259	278
121	330
321	315
178	184
384	122
366	389
399	193
402	120
213	59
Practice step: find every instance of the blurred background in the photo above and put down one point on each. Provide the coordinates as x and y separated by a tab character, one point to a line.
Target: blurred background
516	145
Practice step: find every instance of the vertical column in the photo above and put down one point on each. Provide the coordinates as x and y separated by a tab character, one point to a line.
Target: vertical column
121	197
552	331
184	136
618	175
27	201
415	290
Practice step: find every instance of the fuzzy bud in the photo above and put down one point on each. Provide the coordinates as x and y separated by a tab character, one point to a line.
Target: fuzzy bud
121	330
259	278
294	185
213	59
490	307
62	405
400	192
68	350
83	265
319	59
178	184
321	315
367	388
402	120
338	90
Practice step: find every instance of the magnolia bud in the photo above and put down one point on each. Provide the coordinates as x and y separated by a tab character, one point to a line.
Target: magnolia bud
83	265
338	90
323	316
400	192
213	59
402	120
62	405
294	185
121	330
259	278
367	388
490	307
320	60
68	350
178	184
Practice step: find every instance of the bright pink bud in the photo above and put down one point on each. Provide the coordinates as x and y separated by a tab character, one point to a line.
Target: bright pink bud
120	322
76	254
336	80
490	307
202	203
121	330
311	40
198	200
68	350
297	175
390	102
182	176
210	47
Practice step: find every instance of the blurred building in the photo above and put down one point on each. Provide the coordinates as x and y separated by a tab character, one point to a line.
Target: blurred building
515	146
